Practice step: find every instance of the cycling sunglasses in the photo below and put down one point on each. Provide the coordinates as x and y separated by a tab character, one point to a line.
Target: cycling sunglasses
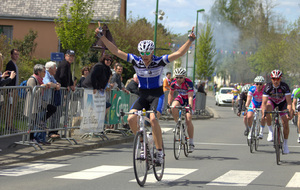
275	78
145	53
259	83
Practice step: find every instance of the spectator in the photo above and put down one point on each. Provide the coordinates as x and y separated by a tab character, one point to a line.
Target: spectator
13	94
10	75
99	76
84	73
201	87
49	78
63	74
12	66
133	86
4	82
117	78
41	110
167	82
215	88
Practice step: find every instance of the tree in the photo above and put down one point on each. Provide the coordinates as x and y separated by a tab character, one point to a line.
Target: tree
72	27
206	62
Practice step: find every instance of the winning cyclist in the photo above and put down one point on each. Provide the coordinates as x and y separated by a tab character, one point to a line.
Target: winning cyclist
242	102
296	106
235	92
184	87
149	69
277	94
254	100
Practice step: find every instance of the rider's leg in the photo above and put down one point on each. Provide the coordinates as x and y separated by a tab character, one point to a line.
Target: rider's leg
175	113
286	131
190	127
269	122
132	121
298	125
156	130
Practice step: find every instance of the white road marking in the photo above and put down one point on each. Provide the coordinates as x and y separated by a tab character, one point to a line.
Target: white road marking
236	178
170	174
94	173
295	181
30	169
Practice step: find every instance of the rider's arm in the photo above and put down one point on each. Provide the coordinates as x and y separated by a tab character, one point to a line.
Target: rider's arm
264	104
190	96
294	104
248	101
170	97
183	49
289	104
112	48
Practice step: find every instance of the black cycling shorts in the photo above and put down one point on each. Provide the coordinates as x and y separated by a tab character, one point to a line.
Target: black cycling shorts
150	99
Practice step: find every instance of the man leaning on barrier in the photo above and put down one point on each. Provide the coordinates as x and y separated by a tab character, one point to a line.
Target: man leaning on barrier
49	78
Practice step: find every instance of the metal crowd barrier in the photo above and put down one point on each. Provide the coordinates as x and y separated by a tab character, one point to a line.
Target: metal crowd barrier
27	112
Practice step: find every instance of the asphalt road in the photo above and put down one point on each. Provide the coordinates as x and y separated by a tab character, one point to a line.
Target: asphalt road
221	160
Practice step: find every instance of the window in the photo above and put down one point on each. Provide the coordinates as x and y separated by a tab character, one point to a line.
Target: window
7	31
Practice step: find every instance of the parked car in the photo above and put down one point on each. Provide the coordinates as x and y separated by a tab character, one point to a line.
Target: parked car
224	96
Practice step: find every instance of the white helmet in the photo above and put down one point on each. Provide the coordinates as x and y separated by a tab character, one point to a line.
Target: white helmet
180	72
246	88
146	46
259	79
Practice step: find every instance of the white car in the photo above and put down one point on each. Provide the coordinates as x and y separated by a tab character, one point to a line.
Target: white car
224	96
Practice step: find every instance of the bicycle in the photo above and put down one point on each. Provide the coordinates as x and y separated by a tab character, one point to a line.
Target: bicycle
144	158
253	141
180	137
278	135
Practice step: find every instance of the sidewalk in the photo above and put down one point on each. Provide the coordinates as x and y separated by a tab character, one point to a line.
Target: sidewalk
60	147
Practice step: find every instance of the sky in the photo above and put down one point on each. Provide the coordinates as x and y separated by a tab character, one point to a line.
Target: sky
180	15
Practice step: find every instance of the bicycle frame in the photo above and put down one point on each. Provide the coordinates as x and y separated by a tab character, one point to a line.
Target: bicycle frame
278	135
180	136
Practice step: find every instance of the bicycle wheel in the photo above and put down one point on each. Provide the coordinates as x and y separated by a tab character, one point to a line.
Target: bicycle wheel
140	164
177	141
277	143
158	169
186	142
257	130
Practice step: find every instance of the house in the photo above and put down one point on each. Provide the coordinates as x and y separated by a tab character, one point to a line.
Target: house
18	17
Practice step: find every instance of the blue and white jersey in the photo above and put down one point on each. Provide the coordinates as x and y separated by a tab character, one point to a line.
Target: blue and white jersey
151	77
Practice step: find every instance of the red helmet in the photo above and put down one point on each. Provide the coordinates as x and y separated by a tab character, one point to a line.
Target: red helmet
276	74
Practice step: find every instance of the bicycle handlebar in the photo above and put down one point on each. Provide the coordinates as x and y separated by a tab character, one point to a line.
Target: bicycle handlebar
276	112
122	113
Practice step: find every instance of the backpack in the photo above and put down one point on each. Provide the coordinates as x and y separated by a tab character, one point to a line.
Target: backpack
22	92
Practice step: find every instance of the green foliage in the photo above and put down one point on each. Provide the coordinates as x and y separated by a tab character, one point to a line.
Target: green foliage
205	61
72	28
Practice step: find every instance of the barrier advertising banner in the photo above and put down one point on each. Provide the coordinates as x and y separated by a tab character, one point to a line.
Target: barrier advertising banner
119	100
93	112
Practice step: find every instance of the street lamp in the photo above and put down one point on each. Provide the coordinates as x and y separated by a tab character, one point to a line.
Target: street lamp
160	17
187	57
198	11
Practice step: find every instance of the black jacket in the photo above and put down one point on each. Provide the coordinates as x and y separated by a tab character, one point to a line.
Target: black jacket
133	87
63	74
98	77
11	67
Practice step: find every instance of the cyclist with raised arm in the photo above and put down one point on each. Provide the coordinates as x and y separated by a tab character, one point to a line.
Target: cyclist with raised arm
277	94
235	93
296	106
149	69
184	86
254	100
242	102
